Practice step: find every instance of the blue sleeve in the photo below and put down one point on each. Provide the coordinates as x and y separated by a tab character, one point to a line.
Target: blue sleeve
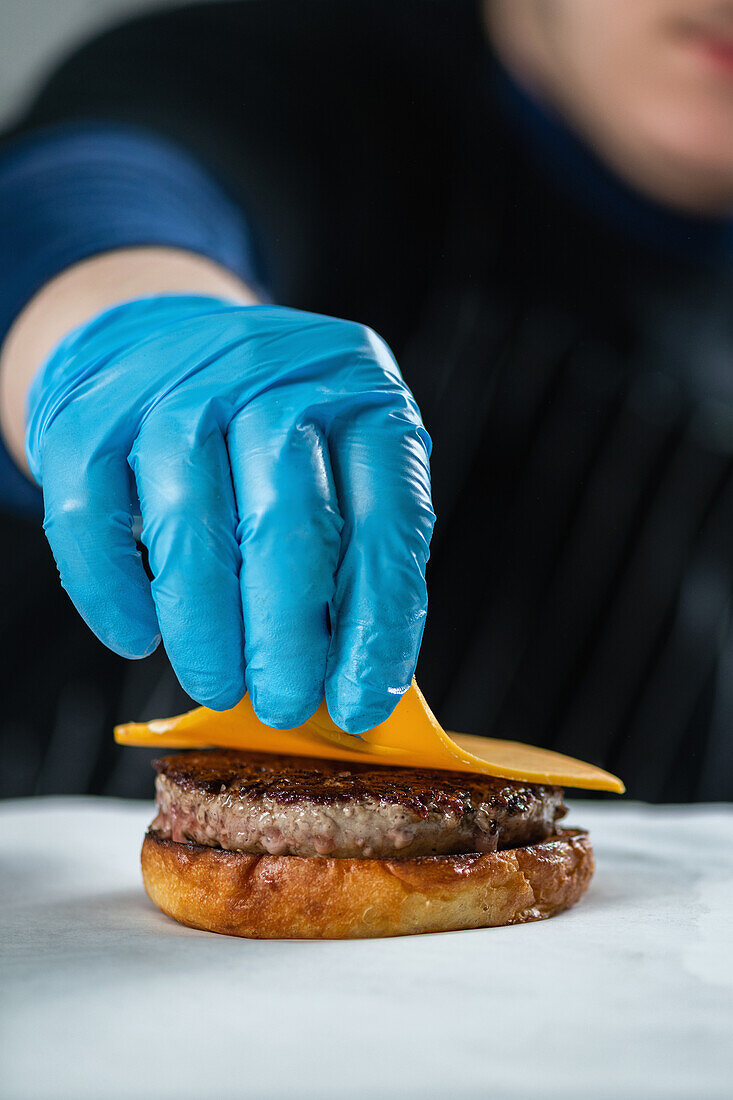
72	191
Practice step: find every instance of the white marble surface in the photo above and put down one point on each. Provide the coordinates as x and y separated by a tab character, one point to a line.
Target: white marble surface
630	994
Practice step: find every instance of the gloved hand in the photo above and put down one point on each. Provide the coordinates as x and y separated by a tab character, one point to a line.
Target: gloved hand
281	469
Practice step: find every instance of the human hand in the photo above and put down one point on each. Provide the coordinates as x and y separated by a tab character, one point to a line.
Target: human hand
281	469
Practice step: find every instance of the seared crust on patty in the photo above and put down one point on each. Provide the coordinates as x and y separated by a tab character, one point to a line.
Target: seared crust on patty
283	805
287	897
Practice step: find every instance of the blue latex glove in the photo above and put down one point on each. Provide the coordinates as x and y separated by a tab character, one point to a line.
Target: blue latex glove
281	469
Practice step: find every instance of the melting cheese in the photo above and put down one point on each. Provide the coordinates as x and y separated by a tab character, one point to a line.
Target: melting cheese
411	736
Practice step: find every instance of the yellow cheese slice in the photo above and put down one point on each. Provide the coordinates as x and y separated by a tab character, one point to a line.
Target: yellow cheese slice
411	736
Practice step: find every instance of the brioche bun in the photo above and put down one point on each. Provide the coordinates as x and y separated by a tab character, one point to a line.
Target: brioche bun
295	897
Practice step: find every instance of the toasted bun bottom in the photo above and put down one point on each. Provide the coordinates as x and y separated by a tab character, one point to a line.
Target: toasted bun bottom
292	897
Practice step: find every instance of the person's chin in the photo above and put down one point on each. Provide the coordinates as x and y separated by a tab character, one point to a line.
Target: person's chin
684	159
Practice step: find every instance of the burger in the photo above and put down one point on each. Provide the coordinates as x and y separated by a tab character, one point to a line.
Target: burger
274	846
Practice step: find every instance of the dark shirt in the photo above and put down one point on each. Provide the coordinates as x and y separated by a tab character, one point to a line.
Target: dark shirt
572	358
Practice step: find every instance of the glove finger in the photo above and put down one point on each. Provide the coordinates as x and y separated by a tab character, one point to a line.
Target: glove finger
88	523
380	462
289	537
184	484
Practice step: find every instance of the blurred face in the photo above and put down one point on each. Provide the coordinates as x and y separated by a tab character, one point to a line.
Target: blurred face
648	83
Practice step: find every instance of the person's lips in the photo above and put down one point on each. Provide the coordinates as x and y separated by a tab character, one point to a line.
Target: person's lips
715	47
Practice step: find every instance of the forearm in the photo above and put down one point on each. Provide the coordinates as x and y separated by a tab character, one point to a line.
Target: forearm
93	215
84	290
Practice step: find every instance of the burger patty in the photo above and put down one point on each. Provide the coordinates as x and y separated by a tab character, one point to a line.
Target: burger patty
291	805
